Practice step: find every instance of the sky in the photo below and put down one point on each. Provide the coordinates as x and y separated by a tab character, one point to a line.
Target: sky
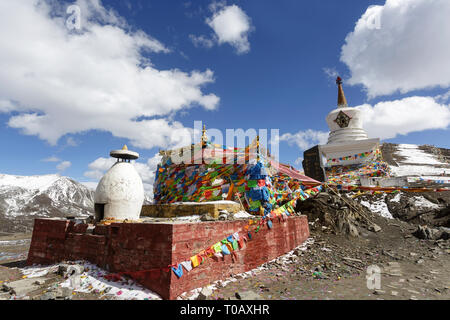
81	78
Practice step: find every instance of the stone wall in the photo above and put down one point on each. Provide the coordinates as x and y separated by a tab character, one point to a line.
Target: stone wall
125	247
183	209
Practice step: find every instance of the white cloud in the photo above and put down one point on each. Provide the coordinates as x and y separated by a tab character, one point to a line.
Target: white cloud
400	46
6	106
90	185
331	73
62	82
71	142
298	161
443	98
230	25
99	167
305	139
388	119
63	165
201	41
51	159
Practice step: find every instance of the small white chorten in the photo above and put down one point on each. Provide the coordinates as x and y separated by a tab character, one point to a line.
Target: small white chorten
345	122
120	193
347	136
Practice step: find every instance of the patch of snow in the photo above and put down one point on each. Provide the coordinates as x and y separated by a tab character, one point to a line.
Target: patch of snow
379	207
188	218
4	256
6	243
416	170
417	162
396	198
93	281
413	154
242	214
421	202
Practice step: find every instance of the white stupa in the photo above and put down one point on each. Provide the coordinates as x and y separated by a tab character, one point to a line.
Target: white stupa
120	193
345	122
347	136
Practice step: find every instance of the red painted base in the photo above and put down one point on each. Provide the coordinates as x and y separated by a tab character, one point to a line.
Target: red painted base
125	247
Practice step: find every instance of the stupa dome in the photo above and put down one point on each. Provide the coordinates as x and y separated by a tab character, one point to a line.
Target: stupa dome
120	192
345	122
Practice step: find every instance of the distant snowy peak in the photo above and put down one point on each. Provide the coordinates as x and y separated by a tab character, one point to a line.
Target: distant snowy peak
23	198
28	182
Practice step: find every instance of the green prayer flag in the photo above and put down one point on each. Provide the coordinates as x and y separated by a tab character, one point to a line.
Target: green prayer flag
252	183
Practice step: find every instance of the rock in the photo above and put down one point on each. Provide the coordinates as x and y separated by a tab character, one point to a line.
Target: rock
379	292
374	227
352	259
207	217
51	295
5	296
394	293
204	293
20	287
39	282
67	270
425	233
248	295
420	261
353	231
63	292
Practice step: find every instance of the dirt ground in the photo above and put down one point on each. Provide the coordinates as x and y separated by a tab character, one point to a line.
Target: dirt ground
335	267
332	267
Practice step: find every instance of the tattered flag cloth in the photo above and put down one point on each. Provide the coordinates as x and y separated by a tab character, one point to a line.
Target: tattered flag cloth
178	271
187	265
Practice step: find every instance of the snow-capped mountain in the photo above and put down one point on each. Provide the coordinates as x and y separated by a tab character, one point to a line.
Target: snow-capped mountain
23	198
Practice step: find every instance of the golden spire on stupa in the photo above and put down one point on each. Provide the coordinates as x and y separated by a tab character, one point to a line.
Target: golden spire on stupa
204	137
342	101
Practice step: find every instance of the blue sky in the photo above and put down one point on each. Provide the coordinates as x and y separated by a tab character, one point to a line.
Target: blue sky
278	73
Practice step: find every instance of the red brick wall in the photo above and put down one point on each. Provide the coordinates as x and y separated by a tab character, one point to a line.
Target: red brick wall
123	247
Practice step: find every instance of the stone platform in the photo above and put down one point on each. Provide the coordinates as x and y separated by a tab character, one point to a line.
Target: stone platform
182	209
131	247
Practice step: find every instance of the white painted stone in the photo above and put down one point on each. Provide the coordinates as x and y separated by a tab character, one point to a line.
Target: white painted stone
122	192
353	132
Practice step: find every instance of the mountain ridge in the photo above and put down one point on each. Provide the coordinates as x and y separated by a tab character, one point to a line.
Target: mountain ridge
24	198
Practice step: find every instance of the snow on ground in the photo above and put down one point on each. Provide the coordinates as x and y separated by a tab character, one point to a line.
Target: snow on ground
242	214
5	256
397	197
417	162
6	243
413	154
421	202
379	207
92	281
417	170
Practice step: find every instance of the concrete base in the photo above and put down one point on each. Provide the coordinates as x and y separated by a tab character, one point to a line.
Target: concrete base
182	209
152	247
